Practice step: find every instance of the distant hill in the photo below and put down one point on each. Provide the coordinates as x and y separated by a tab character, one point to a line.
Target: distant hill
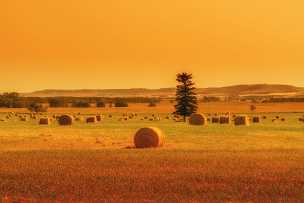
236	90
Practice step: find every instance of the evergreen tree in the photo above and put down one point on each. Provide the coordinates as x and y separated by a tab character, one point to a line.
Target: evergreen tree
186	100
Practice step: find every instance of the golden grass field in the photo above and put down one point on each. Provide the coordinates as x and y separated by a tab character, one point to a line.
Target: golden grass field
263	162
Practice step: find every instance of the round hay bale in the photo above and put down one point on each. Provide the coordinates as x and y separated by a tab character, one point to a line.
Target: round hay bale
24	119
264	117
197	119
91	119
44	121
283	119
215	119
65	120
256	119
99	118
224	120
148	138
241	120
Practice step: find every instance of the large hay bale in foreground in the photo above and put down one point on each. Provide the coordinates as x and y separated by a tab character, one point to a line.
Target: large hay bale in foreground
256	119
148	137
197	119
241	120
44	121
91	119
224	120
65	120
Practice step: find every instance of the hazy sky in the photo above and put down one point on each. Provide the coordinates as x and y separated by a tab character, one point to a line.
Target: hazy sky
136	43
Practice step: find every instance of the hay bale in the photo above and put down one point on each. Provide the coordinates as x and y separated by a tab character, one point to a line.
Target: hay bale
241	120
148	137
197	119
99	118
91	119
224	119
24	119
283	119
65	120
264	117
256	119
44	121
215	119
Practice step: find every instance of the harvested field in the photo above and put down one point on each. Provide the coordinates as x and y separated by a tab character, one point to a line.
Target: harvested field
215	163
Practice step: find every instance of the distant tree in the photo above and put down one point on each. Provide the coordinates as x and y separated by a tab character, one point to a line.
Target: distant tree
110	104
252	107
186	100
121	103
36	107
57	102
100	104
80	104
152	104
11	100
210	99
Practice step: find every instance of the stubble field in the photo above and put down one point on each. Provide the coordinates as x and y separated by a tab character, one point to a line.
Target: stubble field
262	162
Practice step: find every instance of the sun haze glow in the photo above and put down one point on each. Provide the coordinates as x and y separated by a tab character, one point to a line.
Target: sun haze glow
67	44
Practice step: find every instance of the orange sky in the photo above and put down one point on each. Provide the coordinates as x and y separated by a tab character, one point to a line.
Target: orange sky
135	43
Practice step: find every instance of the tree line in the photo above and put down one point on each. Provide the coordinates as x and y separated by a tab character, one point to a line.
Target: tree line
14	100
